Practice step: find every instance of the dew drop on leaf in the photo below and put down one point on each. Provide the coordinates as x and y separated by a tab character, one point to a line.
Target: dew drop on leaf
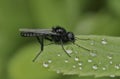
45	64
80	63
49	61
89	60
110	62
66	60
76	59
117	66
74	66
92	42
104	41
58	55
109	57
80	68
69	51
112	76
103	68
99	63
58	71
95	67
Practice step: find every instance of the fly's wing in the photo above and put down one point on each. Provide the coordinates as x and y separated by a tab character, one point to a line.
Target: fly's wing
35	32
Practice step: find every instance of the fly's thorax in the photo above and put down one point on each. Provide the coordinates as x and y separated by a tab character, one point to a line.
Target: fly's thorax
58	30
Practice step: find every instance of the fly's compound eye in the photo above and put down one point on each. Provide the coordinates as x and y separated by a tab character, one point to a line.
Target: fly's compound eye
70	36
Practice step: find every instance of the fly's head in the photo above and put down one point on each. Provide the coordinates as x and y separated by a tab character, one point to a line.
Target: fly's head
70	37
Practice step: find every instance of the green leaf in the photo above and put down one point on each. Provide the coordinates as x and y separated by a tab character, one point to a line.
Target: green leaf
20	65
101	58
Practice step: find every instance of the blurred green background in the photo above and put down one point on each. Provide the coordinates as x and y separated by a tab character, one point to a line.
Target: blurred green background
98	17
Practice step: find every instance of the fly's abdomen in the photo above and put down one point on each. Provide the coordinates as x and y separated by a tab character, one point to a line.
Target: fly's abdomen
29	34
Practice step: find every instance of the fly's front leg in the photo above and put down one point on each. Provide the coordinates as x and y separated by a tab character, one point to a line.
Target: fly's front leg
64	48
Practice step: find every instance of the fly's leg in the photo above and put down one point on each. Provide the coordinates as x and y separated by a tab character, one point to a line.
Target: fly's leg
64	48
41	41
82	47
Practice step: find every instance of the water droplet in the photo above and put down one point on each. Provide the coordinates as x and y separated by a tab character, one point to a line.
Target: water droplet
103	68
99	63
117	66
66	61
74	66
93	54
95	67
89	60
110	62
80	68
80	63
109	57
76	58
69	51
112	76
58	71
49	61
45	64
58	55
104	41
92	42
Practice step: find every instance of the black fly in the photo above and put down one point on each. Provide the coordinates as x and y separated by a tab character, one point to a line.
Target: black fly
57	35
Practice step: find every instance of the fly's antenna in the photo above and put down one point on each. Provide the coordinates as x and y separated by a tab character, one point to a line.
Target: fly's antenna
76	38
81	47
82	38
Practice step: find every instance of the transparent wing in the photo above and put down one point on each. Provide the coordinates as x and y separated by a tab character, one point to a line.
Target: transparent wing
40	31
35	30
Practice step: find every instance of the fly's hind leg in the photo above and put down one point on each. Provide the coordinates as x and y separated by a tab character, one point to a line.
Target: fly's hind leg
41	41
